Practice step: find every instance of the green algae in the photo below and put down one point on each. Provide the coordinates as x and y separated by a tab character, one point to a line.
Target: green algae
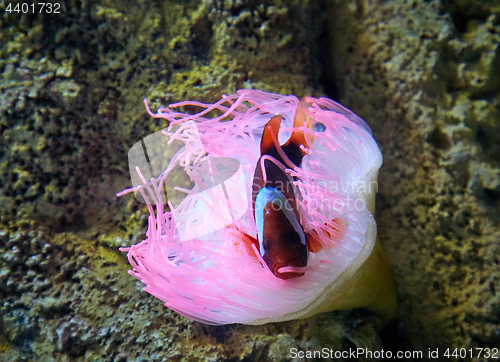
86	307
424	75
63	84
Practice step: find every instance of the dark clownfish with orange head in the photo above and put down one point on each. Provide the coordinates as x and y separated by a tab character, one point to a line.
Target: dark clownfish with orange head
281	240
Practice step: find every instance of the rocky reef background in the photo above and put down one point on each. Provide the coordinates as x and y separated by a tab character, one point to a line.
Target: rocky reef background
424	74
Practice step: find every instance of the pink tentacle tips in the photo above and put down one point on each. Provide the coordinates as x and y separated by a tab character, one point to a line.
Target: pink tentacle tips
199	256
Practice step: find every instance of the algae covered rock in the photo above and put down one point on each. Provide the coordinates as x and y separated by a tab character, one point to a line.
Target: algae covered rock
70	108
425	77
424	74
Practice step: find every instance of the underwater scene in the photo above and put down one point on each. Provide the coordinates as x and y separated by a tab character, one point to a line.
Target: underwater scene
242	180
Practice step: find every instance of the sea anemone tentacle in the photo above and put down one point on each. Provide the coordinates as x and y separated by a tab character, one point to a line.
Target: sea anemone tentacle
200	256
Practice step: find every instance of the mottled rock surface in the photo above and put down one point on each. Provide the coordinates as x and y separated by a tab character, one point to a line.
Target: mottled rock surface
71	105
70	298
426	76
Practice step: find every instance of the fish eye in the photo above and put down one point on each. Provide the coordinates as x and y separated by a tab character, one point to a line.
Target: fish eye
318	127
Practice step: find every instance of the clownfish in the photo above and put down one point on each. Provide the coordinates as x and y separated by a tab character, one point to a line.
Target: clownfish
281	240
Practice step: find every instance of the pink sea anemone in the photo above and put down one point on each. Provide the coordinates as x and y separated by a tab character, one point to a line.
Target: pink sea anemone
197	257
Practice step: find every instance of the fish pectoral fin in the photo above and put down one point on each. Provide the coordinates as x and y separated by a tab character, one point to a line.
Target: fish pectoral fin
247	241
270	134
335	230
313	243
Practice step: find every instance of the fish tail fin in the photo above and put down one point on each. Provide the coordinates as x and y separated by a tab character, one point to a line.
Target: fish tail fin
271	129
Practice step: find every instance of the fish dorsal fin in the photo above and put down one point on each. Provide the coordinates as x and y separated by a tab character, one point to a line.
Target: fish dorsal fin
301	119
270	129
